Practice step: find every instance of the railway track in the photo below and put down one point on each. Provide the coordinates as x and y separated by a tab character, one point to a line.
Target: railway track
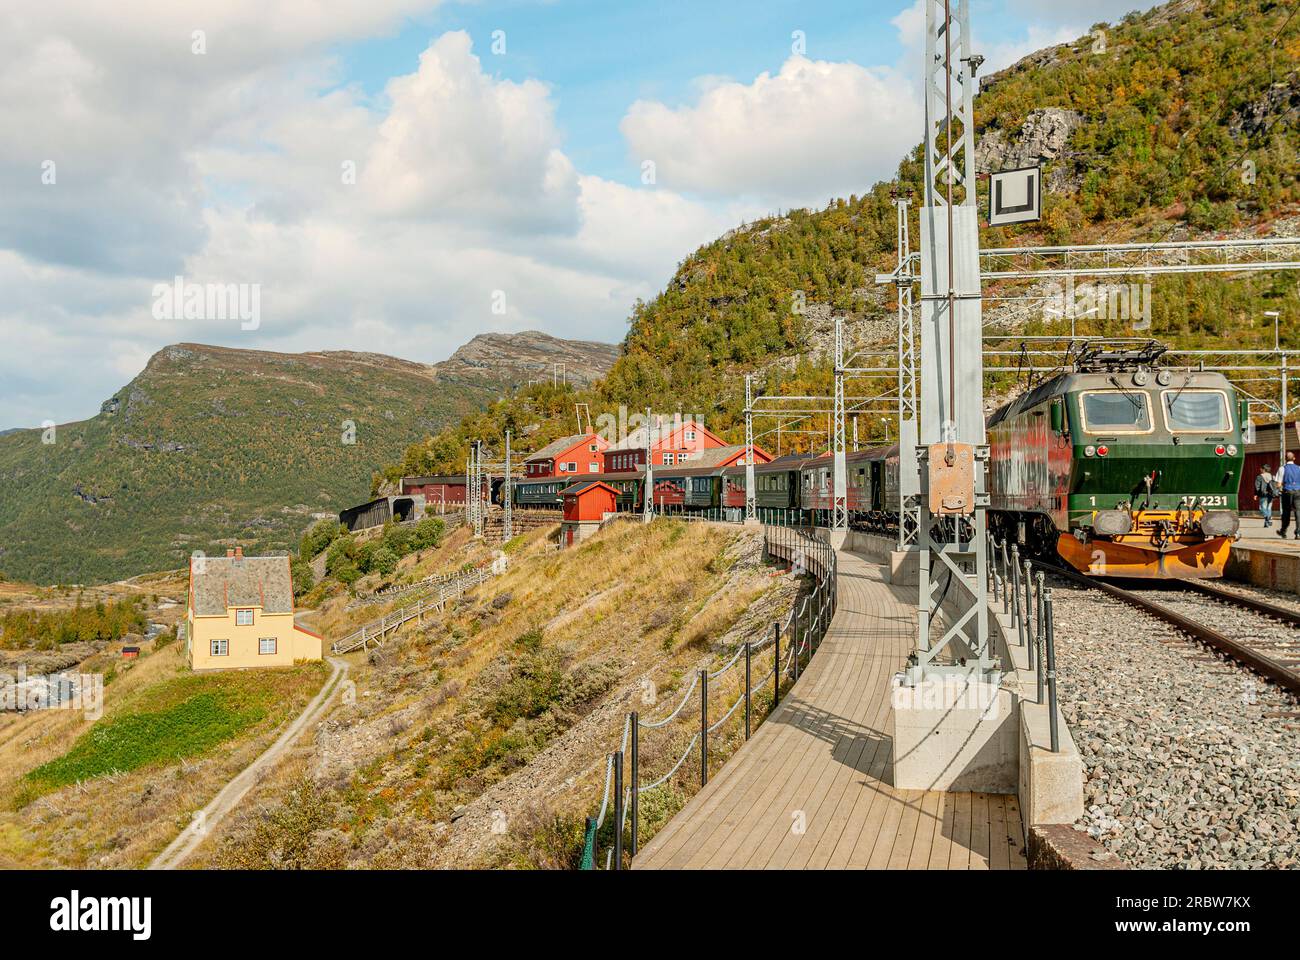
1275	659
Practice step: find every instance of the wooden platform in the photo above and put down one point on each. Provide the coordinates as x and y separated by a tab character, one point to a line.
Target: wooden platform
813	788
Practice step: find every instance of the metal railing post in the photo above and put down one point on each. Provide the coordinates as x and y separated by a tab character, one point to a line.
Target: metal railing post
776	664
1051	673
1015	589
1006	579
1036	658
1029	610
749	654
618	810
704	727
636	778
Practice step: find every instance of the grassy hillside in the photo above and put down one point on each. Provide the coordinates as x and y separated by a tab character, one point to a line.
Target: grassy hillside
209	447
1165	115
500	710
77	792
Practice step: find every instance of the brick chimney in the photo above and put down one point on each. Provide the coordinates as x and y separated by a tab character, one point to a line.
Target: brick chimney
229	553
239	553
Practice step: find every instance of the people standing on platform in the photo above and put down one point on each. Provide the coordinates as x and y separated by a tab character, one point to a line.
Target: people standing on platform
1290	495
1266	492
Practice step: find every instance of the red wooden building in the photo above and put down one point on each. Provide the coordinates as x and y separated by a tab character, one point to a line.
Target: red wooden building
441	489
586	505
1265	451
577	455
670	444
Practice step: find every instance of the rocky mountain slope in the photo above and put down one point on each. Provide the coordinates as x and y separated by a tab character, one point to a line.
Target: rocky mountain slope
529	355
212	446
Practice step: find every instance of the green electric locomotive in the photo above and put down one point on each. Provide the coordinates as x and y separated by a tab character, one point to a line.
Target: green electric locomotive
1121	466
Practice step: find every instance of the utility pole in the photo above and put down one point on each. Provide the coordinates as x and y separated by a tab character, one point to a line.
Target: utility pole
751	510
1281	423
648	511
507	496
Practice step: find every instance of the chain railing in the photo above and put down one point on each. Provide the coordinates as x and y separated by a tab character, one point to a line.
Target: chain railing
1020	589
803	628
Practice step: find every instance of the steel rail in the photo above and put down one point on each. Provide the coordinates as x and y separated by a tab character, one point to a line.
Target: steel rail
1284	614
1264	665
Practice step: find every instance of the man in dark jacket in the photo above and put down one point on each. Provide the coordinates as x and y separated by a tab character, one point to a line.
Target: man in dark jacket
1265	493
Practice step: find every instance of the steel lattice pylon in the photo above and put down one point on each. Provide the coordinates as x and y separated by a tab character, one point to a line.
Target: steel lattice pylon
839	475
951	544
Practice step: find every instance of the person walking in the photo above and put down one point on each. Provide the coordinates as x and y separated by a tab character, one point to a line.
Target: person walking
1290	495
1265	492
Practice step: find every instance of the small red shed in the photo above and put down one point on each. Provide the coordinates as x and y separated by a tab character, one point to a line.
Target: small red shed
588	501
586	505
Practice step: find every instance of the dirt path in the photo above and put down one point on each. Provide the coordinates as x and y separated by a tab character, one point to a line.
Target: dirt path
207	819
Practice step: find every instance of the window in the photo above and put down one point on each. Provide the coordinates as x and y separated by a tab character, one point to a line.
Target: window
1203	411
1115	411
573	467
266	646
593	467
220	648
592	448
690	436
243	618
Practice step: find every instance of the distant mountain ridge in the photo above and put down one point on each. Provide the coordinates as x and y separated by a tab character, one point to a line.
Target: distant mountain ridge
531	352
209	446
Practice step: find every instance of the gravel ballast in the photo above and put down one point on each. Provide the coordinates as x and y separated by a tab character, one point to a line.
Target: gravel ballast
1190	760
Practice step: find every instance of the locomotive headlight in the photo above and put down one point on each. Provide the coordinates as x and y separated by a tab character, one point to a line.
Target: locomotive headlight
1163	378
1103	450
1141	377
1089	451
1220	450
1232	449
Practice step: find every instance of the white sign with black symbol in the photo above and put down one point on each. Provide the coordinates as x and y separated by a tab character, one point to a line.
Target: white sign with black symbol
1015	196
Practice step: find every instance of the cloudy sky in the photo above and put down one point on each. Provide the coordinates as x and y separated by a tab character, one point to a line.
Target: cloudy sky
398	175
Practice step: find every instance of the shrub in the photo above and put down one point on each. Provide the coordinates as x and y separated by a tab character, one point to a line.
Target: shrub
428	533
341	551
319	537
383	560
303	578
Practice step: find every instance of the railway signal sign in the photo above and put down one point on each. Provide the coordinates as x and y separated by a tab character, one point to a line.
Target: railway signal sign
1016	196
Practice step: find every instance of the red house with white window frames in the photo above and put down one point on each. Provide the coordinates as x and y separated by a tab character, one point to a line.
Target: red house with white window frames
577	455
671	444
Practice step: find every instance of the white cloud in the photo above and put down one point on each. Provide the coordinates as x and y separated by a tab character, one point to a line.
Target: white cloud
234	176
459	145
810	132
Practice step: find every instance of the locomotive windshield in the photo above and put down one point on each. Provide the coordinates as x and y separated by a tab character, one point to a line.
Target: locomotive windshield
1203	411
1115	411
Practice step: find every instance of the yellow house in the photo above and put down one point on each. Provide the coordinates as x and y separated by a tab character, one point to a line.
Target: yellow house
240	614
